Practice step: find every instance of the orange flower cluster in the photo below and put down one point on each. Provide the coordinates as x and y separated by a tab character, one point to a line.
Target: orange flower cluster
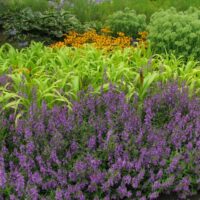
101	41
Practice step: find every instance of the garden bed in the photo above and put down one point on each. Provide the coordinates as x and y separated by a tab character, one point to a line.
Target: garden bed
103	108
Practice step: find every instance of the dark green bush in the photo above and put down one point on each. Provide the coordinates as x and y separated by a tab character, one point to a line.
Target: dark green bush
127	21
176	32
49	23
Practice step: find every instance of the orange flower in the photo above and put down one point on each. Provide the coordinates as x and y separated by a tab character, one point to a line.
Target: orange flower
57	45
101	41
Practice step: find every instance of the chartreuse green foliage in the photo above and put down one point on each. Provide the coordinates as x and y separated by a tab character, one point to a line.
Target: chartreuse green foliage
58	74
127	21
176	32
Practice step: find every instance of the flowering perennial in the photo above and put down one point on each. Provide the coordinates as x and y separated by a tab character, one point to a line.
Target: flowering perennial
105	148
102	41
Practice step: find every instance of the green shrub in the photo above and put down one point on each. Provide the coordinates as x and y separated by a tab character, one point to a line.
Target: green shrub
176	32
127	21
50	23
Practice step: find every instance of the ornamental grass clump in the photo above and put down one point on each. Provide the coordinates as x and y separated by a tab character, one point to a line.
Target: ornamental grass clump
104	148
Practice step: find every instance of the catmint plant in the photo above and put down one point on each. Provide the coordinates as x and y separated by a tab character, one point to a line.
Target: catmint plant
104	148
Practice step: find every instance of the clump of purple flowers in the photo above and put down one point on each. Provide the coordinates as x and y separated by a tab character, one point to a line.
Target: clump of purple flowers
104	148
5	80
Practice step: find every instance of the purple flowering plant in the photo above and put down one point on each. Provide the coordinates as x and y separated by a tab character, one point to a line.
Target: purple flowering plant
104	148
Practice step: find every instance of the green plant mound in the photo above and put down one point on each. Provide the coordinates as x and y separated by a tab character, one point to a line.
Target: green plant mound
50	23
127	21
176	32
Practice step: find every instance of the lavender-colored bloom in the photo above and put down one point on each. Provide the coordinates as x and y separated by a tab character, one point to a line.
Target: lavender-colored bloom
30	147
173	164
183	185
123	192
97	177
159	174
138	194
72	176
67	195
190	146
22	160
138	165
143	198
107	197
28	133
141	174
4	79
80	196
198	145
74	146
93	163
92	142
33	193
59	195
12	197
2	177
162	162
19	182
92	187
80	166
110	132
104	146
36	178
127	179
2	173
153	195
135	183
54	157
156	185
